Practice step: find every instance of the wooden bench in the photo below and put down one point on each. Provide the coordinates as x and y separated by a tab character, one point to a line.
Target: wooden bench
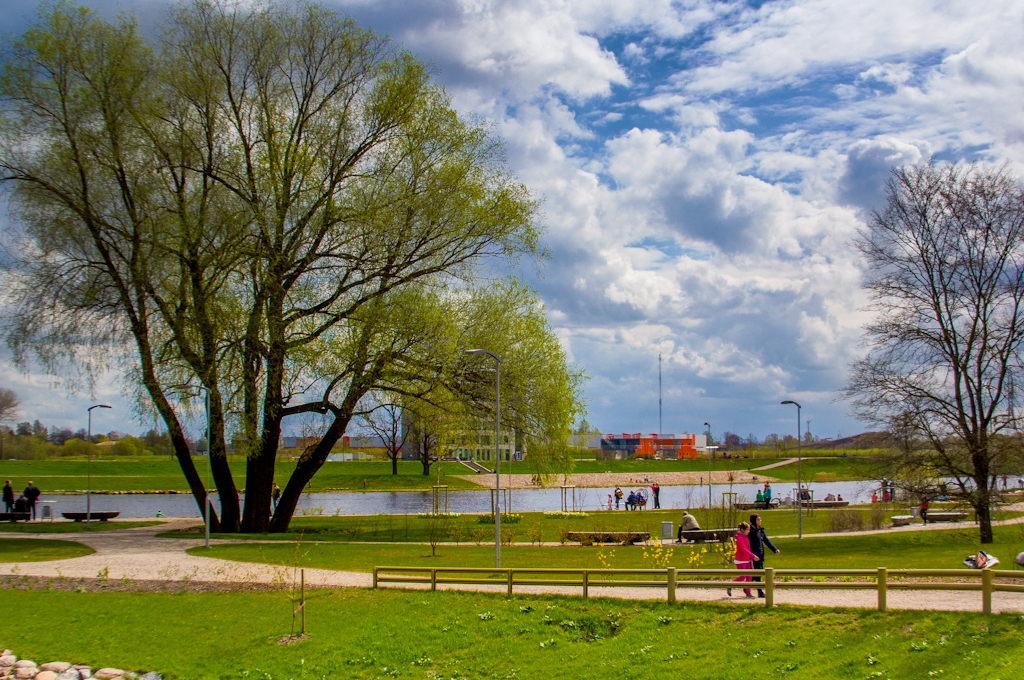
946	516
709	535
95	516
15	516
620	537
902	520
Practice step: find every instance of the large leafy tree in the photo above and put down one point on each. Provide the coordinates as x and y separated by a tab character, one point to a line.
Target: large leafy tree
946	277
240	209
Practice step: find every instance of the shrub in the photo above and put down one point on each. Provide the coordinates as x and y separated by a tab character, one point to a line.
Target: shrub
536	534
506	518
845	520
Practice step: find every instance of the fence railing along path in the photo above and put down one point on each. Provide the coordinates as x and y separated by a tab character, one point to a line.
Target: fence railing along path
672	579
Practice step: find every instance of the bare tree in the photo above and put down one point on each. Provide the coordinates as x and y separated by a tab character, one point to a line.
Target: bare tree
9	404
946	280
385	420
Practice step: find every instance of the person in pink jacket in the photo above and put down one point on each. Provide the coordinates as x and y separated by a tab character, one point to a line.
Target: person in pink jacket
744	558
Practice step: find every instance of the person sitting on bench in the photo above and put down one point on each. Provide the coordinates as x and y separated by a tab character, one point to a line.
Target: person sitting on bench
689	523
21	504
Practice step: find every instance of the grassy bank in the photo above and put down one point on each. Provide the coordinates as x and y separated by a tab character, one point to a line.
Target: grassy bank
381	634
908	550
40	550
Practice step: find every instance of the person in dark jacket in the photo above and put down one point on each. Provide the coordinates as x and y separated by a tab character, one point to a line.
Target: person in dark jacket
758	542
8	496
21	505
32	494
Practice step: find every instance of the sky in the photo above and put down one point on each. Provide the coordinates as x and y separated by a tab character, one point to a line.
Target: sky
704	167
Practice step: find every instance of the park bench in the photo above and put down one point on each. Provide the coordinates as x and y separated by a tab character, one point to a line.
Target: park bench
902	520
946	516
621	537
709	535
95	516
15	516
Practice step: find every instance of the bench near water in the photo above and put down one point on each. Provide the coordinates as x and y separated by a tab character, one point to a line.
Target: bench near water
709	535
904	520
620	537
101	516
15	516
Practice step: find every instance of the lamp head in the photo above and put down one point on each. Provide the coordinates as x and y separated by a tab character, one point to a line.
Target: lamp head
99	406
790	401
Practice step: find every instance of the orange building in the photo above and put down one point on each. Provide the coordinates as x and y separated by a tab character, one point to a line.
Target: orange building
662	446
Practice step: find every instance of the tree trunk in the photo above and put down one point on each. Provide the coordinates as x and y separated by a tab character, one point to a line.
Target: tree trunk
394	462
221	472
309	464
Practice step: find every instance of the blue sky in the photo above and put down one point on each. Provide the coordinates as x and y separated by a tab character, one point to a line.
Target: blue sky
704	167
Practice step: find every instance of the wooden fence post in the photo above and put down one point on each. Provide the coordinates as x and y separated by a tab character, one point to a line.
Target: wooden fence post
769	587
375	570
671	585
883	588
509	583
986	591
433	579
586	583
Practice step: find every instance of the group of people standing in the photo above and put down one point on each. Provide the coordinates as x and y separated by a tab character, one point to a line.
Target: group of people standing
635	500
26	502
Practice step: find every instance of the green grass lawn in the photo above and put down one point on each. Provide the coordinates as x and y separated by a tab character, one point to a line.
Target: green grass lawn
161	474
534	525
40	550
843	469
68	527
381	634
165	475
907	550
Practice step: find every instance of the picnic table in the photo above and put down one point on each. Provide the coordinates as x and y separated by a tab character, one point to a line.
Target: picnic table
621	537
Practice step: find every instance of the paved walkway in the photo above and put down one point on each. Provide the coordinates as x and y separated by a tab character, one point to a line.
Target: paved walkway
138	554
788	461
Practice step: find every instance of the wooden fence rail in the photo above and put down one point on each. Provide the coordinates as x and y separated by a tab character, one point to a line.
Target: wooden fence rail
670	579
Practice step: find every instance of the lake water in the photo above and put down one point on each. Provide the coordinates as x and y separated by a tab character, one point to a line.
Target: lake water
462	501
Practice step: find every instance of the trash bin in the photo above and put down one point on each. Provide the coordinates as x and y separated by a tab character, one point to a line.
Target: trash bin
666	530
46	510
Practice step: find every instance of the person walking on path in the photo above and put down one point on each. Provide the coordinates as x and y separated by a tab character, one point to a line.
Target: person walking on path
276	496
32	494
656	490
744	559
618	496
925	504
767	494
8	496
758	542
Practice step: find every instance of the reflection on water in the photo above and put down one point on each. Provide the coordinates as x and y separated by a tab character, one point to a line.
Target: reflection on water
412	502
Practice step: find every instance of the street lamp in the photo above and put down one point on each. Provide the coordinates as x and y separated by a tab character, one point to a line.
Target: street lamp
209	463
88	471
708	449
799	489
497	450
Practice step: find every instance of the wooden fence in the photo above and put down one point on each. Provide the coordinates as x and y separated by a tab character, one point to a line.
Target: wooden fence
671	579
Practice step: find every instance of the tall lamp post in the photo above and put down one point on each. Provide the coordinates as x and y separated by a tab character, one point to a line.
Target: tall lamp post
497	450
707	449
88	472
209	463
799	489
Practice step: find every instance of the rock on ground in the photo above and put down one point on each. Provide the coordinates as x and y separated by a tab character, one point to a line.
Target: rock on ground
55	666
46	675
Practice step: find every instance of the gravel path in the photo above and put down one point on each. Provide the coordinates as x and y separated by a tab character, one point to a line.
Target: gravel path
138	555
624	479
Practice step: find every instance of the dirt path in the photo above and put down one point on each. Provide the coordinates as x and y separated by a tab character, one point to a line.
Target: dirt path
138	555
